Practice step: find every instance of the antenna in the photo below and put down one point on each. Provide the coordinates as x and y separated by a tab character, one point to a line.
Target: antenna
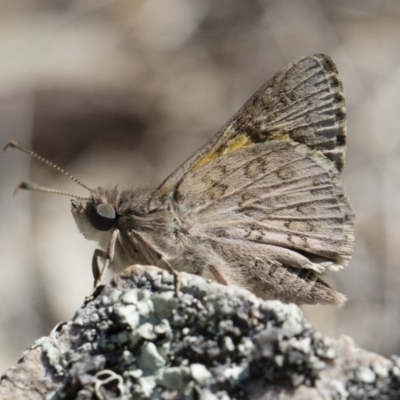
37	188
32	186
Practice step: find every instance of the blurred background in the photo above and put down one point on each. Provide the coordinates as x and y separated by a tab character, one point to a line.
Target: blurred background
121	92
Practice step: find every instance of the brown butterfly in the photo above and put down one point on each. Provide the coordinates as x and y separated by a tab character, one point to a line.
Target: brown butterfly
259	206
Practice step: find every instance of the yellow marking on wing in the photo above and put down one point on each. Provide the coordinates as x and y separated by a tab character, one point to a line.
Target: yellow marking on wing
237	143
206	159
278	136
232	145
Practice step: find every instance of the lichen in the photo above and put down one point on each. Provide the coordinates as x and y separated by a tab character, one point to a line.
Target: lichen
146	343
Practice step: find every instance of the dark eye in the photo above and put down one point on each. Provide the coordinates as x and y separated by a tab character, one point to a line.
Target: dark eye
102	217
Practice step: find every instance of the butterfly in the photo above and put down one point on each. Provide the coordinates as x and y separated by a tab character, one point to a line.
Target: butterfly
259	206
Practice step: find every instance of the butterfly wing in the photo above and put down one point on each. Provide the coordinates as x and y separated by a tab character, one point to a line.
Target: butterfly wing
302	103
276	214
278	193
265	195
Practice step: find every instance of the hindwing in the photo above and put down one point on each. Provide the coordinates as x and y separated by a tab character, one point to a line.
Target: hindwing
282	194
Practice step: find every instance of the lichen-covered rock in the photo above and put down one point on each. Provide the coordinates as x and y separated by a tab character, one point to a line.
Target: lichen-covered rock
137	340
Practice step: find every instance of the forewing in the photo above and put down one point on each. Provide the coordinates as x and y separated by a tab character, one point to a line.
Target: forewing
278	193
302	103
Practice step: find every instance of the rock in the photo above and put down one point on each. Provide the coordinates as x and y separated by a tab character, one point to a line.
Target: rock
137	340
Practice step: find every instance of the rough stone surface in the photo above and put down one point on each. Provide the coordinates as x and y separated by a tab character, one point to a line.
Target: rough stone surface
137	340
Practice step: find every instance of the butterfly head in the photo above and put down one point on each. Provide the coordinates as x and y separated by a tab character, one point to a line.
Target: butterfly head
97	215
94	214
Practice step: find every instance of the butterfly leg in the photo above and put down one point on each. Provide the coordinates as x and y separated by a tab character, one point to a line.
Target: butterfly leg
96	270
163	263
156	257
217	275
201	259
108	256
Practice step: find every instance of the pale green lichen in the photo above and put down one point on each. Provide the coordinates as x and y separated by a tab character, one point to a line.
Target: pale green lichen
202	343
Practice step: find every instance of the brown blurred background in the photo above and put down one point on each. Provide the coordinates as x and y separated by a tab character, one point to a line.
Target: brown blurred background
123	91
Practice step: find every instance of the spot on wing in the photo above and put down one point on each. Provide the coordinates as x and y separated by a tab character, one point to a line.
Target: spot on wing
256	168
286	172
216	191
307	209
300	226
248	200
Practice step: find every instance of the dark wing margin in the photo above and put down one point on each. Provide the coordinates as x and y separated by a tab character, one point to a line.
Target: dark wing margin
303	103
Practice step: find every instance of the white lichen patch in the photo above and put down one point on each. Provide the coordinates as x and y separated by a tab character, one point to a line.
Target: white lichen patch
366	374
200	374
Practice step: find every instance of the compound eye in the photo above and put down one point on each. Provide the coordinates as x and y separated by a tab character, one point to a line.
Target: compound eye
102	217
